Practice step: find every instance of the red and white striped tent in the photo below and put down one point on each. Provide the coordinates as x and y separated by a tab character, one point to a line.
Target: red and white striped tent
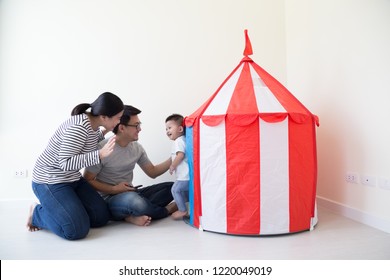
252	154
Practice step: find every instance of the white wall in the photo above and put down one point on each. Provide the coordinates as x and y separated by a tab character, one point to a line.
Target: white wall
338	64
160	56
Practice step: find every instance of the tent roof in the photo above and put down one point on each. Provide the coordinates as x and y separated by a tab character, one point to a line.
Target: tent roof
250	92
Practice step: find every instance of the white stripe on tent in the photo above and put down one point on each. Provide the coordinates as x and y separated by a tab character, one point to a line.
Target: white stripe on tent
220	103
274	177
212	158
266	100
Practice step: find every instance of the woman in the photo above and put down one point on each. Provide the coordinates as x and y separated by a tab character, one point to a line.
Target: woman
69	205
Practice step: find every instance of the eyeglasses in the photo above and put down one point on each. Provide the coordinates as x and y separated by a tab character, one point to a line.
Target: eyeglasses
137	126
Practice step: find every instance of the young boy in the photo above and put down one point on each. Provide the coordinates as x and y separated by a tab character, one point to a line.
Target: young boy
176	132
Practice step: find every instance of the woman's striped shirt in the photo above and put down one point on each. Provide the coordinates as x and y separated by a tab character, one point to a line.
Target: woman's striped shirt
72	147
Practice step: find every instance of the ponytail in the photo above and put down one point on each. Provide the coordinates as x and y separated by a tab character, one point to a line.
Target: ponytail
79	109
107	104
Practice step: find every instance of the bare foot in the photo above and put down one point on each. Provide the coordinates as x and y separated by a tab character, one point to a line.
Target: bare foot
139	220
29	225
179	215
171	207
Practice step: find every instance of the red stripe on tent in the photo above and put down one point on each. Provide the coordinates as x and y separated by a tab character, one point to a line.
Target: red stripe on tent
243	100
313	132
197	211
242	161
242	178
302	166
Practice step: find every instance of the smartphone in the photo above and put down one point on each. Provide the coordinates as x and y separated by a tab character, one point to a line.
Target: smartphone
136	187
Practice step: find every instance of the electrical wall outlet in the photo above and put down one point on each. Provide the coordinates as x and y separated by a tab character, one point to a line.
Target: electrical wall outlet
368	180
20	173
352	177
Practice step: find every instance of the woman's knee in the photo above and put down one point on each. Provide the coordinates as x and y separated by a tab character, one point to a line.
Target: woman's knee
75	233
77	225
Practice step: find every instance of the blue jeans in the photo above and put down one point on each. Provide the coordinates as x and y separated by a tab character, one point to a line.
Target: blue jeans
69	209
180	194
150	201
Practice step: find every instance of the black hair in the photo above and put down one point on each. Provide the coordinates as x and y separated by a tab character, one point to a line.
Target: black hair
107	104
178	119
127	113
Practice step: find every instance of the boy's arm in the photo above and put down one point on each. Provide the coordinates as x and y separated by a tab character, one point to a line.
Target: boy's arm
179	158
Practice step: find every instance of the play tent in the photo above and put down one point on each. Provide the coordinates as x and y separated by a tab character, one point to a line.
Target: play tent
251	149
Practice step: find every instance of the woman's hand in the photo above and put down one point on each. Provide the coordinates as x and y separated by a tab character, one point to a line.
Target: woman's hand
107	148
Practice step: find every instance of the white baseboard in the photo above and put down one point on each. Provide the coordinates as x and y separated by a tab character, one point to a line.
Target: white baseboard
354	214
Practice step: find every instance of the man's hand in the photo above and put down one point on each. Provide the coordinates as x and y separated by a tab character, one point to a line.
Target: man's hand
123	187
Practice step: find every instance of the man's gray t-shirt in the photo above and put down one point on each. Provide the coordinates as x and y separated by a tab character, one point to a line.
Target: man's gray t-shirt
119	165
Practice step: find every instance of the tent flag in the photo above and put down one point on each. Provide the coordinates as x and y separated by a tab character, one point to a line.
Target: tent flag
252	155
248	45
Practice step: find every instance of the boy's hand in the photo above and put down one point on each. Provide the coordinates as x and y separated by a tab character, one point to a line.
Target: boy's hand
171	169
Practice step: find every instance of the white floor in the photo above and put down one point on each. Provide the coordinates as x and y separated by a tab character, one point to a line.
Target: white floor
334	238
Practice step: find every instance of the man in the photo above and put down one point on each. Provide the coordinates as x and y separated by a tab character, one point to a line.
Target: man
113	177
